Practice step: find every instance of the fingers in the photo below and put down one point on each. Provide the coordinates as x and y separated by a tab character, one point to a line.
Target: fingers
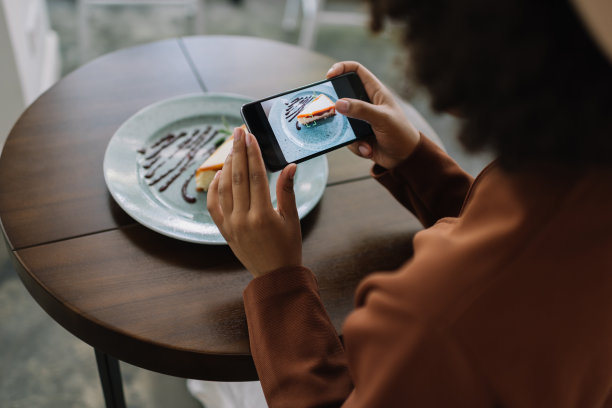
226	201
371	84
258	179
362	149
239	172
242	184
212	201
285	194
375	115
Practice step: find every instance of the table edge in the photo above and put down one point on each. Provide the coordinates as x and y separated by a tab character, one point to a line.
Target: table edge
133	350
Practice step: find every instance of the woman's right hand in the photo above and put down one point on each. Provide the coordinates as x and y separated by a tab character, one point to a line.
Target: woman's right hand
396	137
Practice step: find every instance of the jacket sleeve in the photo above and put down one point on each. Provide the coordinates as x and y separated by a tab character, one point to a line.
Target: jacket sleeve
297	352
429	183
392	358
399	359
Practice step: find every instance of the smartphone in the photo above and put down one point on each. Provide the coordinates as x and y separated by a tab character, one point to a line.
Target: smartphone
302	123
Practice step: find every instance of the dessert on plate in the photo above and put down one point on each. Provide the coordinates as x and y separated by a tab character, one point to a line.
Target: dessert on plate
319	108
206	172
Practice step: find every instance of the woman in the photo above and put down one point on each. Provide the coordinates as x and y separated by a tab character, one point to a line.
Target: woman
507	299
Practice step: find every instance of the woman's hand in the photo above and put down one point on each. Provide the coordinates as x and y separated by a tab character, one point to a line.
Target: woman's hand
263	239
396	137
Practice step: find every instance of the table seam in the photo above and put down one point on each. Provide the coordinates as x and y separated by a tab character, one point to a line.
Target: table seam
349	180
55	241
117	228
191	64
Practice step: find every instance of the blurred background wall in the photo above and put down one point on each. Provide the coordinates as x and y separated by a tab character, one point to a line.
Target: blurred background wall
30	59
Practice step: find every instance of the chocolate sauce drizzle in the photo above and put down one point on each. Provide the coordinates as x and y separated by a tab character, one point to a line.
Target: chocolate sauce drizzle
187	150
186	196
295	106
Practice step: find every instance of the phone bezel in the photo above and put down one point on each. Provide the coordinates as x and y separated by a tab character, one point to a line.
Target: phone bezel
257	123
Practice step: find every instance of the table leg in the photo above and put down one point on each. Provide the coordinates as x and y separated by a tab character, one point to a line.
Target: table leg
110	377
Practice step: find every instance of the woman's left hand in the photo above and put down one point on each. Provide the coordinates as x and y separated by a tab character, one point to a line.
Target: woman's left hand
263	238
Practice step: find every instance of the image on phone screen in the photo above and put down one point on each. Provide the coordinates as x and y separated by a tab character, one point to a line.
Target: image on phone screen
305	122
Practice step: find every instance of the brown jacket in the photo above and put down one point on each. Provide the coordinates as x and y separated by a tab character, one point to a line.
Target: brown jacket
507	300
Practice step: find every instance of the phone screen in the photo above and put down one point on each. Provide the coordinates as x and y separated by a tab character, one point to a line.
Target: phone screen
304	122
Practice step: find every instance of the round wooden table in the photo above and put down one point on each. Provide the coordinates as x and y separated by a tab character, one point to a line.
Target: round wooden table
138	296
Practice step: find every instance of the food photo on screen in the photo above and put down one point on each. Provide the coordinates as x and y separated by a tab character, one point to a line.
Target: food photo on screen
305	122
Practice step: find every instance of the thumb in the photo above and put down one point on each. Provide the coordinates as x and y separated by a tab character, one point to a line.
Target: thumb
284	192
363	110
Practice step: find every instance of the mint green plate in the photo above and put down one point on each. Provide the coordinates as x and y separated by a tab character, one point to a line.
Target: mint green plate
167	212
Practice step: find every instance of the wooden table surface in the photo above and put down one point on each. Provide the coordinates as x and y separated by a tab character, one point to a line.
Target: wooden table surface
152	301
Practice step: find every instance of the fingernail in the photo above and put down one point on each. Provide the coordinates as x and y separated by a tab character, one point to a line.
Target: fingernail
238	133
364	151
342	106
332	69
249	139
217	175
292	171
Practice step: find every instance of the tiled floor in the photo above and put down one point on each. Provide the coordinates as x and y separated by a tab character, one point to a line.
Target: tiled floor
45	366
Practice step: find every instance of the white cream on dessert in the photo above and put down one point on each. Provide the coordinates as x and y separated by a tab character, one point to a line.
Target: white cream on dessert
319	108
206	172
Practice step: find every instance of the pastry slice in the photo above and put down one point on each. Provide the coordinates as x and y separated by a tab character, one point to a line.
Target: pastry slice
319	108
207	170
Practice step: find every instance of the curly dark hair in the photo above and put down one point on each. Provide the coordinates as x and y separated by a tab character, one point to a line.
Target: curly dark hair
525	75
